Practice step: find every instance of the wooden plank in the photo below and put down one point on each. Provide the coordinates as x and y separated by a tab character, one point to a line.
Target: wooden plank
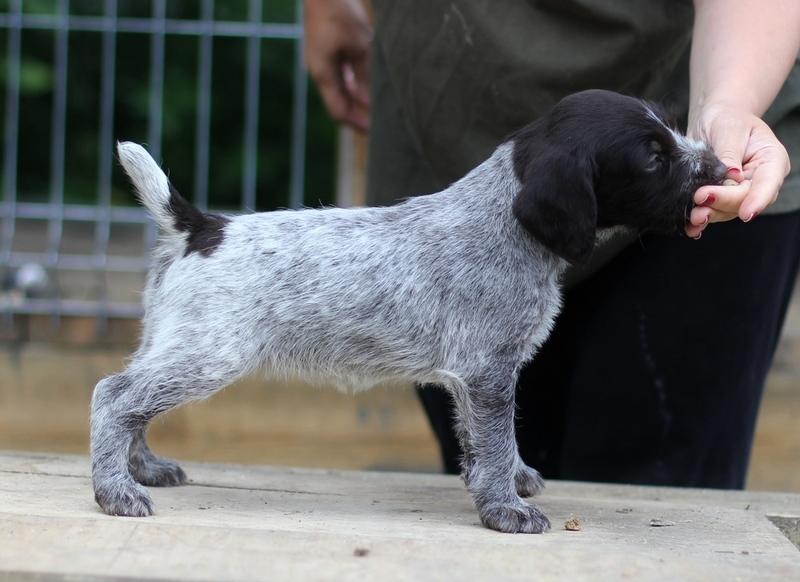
240	522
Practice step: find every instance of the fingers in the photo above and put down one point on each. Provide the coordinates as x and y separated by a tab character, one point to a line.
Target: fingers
767	179
345	97
356	77
337	38
717	204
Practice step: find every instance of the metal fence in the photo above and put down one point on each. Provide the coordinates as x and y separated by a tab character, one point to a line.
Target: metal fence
89	259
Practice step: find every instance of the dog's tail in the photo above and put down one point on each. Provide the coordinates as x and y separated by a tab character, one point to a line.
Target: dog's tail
151	184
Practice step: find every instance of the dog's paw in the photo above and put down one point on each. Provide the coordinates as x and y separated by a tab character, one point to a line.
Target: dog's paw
128	499
528	481
157	472
515	518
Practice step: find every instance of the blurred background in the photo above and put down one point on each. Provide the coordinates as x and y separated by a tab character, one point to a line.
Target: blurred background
218	93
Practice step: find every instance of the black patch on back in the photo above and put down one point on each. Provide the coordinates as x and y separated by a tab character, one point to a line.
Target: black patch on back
206	231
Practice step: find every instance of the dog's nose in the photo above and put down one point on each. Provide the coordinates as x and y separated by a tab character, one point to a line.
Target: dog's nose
720	170
713	169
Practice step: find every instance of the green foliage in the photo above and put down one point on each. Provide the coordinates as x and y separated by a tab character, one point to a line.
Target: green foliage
180	103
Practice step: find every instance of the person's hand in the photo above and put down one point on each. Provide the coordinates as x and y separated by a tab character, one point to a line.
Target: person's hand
337	43
757	162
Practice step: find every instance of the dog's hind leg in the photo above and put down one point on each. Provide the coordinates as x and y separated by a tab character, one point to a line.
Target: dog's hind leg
113	424
492	469
122	407
148	469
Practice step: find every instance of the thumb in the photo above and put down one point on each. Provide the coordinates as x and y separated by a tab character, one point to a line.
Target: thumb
727	134
729	144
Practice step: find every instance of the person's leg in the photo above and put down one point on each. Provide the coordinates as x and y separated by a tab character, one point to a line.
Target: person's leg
397	170
658	362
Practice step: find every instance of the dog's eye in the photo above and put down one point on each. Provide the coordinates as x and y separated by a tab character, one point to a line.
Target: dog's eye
657	157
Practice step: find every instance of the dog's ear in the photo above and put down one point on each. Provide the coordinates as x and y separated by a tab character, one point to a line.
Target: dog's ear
556	203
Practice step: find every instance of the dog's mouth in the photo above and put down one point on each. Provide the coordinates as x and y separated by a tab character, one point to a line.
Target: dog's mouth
712	174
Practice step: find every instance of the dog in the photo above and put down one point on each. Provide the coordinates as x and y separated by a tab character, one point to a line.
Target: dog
457	289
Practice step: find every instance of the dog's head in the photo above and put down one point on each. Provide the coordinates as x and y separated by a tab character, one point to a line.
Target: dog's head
600	159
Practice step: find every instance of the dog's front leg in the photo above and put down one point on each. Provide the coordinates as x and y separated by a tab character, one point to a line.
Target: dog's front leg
492	469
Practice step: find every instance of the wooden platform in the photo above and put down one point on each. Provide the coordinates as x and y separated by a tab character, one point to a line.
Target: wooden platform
264	523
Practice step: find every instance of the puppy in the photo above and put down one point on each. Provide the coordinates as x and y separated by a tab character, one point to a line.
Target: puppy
458	289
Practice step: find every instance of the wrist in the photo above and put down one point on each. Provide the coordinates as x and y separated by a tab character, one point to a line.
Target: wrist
704	112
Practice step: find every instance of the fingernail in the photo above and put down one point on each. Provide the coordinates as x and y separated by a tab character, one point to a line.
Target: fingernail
710	199
734	170
698	236
752	216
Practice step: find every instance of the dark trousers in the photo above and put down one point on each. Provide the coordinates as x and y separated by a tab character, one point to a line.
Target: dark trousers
656	366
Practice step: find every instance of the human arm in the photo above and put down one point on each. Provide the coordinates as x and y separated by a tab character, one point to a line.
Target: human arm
742	52
337	44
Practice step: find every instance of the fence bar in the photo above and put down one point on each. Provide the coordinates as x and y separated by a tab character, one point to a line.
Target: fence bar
34	210
299	122
67	307
58	133
105	159
106	137
149	26
70	262
203	136
157	42
55	225
11	134
251	112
